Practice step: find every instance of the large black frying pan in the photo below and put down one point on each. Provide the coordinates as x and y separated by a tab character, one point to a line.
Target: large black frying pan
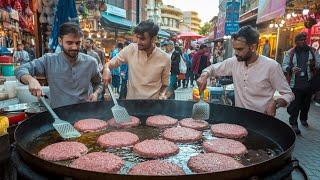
270	127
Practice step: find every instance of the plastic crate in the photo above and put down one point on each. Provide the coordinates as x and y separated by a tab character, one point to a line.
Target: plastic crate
182	95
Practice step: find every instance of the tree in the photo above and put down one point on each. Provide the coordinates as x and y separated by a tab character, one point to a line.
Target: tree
205	29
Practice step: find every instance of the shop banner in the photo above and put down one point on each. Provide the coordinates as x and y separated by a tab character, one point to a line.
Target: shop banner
270	9
232	18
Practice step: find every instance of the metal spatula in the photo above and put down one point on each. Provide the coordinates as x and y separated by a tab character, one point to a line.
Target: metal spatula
201	109
64	128
120	113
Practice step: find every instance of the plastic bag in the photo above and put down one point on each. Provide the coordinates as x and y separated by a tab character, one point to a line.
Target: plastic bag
182	66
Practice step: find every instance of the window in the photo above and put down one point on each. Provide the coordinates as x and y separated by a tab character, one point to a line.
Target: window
118	3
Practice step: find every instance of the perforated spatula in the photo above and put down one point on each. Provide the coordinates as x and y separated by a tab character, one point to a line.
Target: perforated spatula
201	109
64	128
120	113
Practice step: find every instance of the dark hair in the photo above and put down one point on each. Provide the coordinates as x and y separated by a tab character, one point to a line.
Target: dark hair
267	41
120	45
202	46
89	39
147	26
300	37
250	34
126	43
70	28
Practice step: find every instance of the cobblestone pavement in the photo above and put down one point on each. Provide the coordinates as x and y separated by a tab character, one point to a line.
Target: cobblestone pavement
307	147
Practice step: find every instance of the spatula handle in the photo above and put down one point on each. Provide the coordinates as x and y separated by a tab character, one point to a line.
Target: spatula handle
53	114
112	95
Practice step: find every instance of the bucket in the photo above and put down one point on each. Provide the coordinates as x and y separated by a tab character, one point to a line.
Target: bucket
7	70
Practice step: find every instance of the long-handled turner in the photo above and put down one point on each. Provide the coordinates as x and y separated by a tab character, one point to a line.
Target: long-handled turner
120	113
64	128
201	109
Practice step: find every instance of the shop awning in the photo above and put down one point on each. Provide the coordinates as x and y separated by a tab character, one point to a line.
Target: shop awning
116	21
163	34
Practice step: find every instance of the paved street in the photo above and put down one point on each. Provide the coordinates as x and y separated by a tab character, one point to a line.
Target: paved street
307	148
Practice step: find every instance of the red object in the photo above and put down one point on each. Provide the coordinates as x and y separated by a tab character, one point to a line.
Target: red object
16	117
6	59
189	35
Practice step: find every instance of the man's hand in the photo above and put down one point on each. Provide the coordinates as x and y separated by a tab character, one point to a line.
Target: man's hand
93	97
296	70
163	96
202	81
35	87
271	108
106	76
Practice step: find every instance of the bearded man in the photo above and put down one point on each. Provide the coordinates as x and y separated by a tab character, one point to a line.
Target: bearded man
148	66
71	75
255	77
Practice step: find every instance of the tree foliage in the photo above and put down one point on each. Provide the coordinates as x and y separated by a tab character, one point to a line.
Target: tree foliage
205	29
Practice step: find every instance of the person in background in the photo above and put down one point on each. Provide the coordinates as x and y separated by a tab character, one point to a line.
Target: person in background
170	48
71	75
88	49
20	55
255	77
100	52
174	72
116	71
124	76
200	61
31	51
266	48
300	65
186	57
148	65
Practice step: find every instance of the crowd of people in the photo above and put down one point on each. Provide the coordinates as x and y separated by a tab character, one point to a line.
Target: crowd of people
146	69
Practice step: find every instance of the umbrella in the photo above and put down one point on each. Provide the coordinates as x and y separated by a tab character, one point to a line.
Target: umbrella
66	11
189	36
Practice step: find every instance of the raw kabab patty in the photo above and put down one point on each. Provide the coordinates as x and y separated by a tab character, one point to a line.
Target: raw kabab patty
99	161
225	146
155	148
117	139
182	134
225	130
63	151
161	121
90	125
212	162
156	168
194	124
134	121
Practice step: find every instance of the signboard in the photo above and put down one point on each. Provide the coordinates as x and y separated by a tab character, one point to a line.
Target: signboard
232	18
114	10
270	9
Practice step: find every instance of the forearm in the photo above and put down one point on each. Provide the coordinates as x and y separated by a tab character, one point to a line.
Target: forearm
98	89
163	89
281	102
26	79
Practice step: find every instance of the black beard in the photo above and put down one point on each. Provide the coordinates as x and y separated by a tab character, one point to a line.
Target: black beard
70	56
246	58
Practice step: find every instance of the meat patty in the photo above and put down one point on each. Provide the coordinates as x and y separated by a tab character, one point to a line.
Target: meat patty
134	121
117	139
63	151
155	148
182	134
99	162
194	124
90	125
225	146
212	162
225	130
156	168
161	121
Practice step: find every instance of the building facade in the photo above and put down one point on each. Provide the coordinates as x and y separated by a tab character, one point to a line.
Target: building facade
171	18
191	21
153	9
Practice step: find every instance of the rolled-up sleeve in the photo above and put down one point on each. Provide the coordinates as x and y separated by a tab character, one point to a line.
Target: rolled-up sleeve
36	67
223	68
123	56
279	83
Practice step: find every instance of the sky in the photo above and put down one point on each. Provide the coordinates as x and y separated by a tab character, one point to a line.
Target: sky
205	8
